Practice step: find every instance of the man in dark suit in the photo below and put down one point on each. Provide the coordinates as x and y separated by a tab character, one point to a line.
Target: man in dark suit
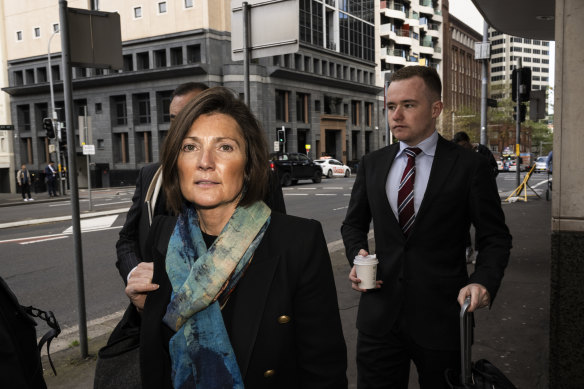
421	194
132	238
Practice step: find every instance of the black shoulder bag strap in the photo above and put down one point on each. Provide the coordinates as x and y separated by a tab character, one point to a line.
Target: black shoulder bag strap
55	330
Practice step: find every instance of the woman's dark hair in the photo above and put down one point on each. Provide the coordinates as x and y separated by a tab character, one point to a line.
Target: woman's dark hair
223	101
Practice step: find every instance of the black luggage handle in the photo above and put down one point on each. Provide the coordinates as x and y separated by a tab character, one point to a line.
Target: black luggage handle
466	342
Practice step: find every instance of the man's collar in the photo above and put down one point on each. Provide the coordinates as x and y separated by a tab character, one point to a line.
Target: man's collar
428	145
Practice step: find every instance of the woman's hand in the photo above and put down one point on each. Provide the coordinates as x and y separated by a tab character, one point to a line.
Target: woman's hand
140	283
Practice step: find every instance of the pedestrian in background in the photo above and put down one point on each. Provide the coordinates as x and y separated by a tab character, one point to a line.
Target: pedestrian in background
24	180
421	194
51	178
461	138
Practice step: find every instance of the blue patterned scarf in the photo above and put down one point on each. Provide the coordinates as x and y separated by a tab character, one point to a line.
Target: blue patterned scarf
200	351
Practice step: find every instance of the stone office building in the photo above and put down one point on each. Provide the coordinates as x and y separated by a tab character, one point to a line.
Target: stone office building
324	95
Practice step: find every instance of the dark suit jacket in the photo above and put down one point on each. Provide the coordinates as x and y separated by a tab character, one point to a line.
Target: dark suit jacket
423	274
132	238
290	275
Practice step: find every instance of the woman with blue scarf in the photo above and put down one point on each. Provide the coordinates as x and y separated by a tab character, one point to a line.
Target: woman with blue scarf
240	296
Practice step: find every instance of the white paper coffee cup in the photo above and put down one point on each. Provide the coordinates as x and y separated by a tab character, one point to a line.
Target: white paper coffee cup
366	267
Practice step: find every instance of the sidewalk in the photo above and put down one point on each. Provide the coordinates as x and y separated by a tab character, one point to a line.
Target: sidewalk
513	335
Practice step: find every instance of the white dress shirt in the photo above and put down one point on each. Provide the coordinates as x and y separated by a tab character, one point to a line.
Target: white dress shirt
423	166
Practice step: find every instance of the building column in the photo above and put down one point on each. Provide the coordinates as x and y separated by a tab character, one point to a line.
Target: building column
567	264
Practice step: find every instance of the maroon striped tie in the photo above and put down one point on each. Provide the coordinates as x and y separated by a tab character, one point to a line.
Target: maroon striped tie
405	194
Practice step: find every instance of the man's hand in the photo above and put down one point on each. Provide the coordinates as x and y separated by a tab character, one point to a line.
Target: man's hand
353	276
140	283
479	296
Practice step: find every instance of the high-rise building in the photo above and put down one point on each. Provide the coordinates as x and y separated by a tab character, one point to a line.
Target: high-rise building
410	34
324	95
505	51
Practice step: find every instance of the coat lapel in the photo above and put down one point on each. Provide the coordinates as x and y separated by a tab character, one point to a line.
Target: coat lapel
444	161
254	286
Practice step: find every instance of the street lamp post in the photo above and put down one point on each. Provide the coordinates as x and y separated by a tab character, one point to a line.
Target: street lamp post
54	114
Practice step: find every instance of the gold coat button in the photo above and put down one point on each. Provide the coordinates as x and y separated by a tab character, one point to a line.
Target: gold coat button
283	319
269	373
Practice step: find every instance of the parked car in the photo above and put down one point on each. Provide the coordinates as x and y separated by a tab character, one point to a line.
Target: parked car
541	164
292	167
500	166
331	167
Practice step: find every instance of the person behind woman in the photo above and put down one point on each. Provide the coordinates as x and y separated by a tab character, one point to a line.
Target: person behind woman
240	295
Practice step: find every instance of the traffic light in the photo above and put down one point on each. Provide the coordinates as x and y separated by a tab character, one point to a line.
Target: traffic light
522	112
525	87
63	136
281	136
48	127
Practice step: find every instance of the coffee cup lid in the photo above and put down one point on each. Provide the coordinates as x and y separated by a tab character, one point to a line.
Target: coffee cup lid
366	260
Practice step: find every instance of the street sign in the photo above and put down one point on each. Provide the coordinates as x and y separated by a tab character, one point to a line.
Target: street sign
274	26
482	50
88	149
6	127
276	145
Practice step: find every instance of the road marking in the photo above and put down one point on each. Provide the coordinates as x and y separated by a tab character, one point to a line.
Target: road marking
336	209
44	240
334	187
118	202
61	218
17	240
306	188
326	194
295	194
94	224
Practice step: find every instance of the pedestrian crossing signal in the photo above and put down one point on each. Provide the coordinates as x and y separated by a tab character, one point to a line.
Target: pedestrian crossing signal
48	127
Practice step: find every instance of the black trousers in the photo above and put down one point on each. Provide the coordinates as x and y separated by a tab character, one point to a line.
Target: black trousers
384	361
25	189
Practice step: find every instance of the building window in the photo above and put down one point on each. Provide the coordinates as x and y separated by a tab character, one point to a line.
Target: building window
97	107
302	104
55	27
23	112
128	63
18	35
160	58
37	32
188	3
142	61
137	12
120	147
163	106
193	53
100	144
282	112
368	114
176	56
143	147
355	106
142	108
162	7
119	112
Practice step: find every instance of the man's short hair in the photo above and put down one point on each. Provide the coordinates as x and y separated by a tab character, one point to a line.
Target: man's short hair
427	74
460	136
187	88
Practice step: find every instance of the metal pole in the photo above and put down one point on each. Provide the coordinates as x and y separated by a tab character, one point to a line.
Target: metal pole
71	152
87	141
518	124
245	8
54	115
484	83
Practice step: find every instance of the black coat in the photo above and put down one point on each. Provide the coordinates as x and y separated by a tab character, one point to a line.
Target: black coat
423	274
282	319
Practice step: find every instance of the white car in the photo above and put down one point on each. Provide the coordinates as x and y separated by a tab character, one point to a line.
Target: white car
541	164
332	167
